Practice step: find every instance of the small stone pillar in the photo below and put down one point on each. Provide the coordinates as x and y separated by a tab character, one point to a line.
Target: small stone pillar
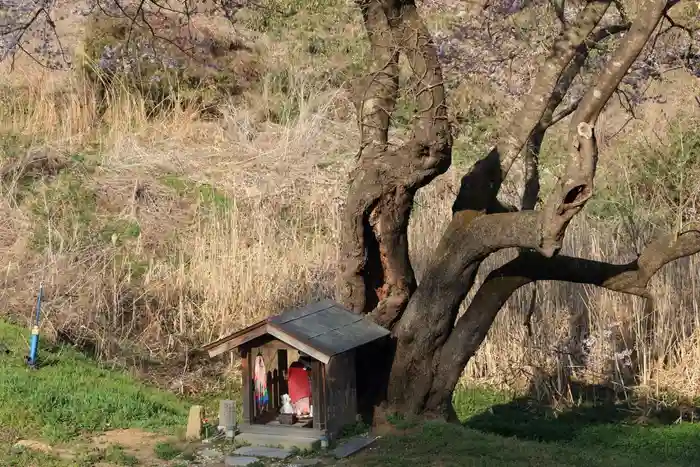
194	423
227	417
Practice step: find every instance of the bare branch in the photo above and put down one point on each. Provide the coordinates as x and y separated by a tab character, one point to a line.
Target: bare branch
593	101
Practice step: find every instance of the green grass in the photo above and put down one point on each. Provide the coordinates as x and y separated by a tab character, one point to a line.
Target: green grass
206	195
70	396
167	451
116	455
440	444
500	430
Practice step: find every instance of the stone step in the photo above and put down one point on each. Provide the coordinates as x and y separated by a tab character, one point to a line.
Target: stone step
232	461
285	442
263	451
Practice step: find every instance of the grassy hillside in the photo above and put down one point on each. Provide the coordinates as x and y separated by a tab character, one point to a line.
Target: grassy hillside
155	232
74	412
70	399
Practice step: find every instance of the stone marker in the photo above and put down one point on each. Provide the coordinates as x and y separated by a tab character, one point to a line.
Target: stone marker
262	451
352	446
194	423
227	417
239	460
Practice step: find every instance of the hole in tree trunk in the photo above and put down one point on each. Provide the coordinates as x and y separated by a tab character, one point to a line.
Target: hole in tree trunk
373	272
574	194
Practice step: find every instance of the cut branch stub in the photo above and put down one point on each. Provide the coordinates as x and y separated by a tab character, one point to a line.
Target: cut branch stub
571	193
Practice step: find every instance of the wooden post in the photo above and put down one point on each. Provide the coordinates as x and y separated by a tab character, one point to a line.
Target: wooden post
282	368
318	395
247	386
194	423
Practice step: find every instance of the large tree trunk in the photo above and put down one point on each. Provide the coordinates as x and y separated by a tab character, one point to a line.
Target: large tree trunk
375	267
431	344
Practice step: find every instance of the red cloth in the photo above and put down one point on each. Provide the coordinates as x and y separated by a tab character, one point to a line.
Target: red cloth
299	384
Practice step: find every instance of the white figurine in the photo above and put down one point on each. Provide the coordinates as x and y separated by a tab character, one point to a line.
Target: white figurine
286	404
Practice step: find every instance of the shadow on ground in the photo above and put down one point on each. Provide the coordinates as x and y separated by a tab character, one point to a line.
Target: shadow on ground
500	430
601	411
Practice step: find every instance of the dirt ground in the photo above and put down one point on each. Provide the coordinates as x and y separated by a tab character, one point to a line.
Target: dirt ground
111	449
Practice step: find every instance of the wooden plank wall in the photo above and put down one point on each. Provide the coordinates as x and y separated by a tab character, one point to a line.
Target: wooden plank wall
341	392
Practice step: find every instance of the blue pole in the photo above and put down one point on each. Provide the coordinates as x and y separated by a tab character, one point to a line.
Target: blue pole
34	341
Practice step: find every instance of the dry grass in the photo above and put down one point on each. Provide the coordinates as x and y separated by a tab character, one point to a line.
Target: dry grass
191	229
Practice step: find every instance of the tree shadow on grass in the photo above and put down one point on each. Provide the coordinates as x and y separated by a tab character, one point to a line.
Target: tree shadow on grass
603	445
601	411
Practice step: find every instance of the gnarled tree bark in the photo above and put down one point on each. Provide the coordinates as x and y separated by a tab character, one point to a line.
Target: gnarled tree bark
375	267
431	345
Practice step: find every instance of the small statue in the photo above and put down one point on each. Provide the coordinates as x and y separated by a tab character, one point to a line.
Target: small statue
286	405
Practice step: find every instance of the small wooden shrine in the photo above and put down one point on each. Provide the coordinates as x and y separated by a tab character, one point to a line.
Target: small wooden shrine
321	337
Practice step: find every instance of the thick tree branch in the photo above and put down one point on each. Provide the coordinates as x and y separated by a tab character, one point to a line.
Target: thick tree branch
575	188
631	278
563	51
376	100
531	188
439	295
463	246
378	90
572	192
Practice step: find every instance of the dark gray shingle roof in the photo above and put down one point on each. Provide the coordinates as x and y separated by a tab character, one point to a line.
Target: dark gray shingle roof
328	327
322	329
